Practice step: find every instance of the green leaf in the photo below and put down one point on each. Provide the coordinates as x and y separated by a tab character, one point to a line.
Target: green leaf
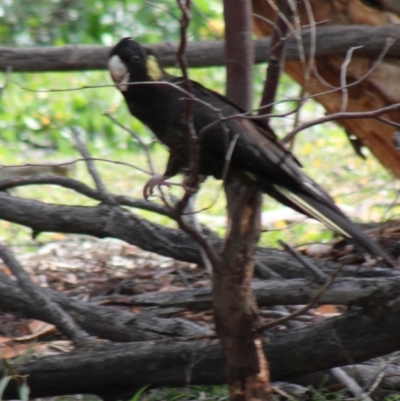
139	393
23	391
3	384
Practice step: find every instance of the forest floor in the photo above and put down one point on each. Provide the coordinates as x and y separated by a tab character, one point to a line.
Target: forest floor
107	272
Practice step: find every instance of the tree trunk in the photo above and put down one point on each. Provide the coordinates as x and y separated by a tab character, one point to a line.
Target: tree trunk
235	309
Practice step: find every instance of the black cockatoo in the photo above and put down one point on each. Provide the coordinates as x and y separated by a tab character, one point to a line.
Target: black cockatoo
158	99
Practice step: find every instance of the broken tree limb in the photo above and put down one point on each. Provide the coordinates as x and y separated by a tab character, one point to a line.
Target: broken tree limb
43	304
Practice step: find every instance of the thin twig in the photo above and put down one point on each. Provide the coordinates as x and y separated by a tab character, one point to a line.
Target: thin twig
377	62
228	156
264	271
80	144
313	43
76	161
388	122
193	140
319	274
341	116
137	138
189	216
278	314
212	255
147	83
337	116
343	76
381	374
307	307
350	383
83	189
296	120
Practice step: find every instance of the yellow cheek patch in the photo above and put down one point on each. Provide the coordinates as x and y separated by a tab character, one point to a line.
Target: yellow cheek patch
153	69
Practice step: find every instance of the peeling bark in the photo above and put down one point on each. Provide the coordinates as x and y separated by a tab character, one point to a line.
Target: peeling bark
378	89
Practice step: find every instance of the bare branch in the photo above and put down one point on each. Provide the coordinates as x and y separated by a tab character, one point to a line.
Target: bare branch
77	134
83	189
350	383
329	40
137	138
305	308
189	217
320	276
343	76
341	116
75	161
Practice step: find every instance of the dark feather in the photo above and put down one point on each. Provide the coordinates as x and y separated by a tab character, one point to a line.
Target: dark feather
258	158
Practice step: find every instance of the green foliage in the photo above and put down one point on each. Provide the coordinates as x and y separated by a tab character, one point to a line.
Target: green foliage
42	118
61	22
139	393
3	384
394	397
328	395
210	393
23	391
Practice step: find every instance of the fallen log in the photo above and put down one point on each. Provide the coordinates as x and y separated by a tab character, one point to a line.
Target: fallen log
123	368
124	326
344	291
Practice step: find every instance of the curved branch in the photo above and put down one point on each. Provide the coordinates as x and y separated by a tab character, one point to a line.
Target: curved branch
115	222
342	115
100	221
82	189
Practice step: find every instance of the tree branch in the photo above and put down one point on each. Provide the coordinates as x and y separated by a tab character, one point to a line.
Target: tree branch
115	222
330	40
101	321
